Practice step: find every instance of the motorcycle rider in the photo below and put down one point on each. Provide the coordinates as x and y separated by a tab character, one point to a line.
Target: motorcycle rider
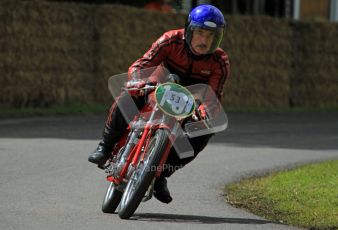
194	55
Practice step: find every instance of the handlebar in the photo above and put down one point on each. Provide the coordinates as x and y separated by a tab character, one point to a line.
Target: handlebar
146	87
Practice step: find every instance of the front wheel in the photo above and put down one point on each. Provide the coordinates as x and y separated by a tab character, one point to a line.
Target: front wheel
143	174
112	199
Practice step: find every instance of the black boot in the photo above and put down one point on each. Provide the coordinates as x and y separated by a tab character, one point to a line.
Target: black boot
104	149
161	191
100	155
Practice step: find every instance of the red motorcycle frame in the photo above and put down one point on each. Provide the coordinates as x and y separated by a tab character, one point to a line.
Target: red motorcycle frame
139	157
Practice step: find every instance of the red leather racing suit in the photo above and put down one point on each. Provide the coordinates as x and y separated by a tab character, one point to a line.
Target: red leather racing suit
172	51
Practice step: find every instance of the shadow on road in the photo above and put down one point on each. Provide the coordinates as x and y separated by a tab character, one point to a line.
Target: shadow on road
177	218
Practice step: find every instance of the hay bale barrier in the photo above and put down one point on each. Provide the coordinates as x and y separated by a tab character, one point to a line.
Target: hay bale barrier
48	54
56	54
260	62
314	79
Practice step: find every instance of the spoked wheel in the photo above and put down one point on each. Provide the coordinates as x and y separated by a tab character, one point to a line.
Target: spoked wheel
143	174
112	199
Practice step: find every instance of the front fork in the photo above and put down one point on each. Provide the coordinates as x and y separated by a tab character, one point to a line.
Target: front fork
172	126
134	153
166	122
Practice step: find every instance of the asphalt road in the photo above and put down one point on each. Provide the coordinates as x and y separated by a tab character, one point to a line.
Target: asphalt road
47	183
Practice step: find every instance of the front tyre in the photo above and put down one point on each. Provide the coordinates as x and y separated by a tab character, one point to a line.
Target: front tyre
112	199
143	174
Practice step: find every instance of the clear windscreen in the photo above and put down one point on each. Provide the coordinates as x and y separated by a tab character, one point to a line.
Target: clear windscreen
217	120
117	83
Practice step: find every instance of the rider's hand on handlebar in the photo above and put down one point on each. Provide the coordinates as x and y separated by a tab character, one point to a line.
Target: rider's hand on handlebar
134	87
202	111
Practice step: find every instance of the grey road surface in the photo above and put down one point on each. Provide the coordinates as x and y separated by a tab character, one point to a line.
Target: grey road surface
47	183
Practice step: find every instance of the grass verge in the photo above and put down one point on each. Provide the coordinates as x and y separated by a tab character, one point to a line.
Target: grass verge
304	197
51	111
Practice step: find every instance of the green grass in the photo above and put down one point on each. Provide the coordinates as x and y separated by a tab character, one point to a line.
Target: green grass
304	197
54	110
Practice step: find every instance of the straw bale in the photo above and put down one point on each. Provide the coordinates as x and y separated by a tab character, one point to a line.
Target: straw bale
62	53
314	80
260	60
48	46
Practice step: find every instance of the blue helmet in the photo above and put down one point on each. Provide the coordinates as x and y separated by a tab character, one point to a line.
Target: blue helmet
206	17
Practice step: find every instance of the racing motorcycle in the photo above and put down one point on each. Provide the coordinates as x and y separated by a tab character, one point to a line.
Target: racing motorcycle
174	113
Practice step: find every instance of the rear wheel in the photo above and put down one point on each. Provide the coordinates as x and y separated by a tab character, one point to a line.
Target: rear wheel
143	174
112	199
